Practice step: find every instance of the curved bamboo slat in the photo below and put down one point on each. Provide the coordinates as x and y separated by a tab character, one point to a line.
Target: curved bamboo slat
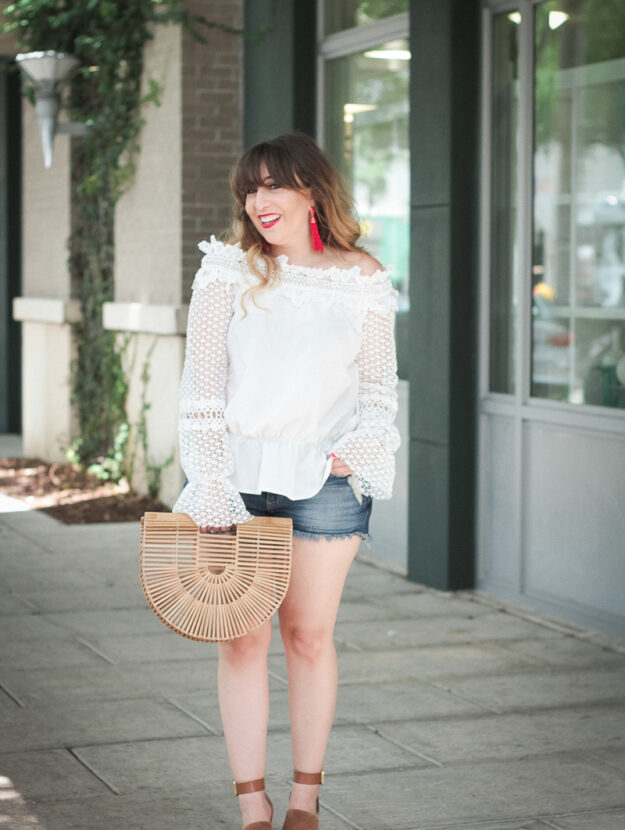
214	587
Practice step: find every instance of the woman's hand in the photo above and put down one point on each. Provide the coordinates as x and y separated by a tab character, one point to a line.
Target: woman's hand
210	529
340	468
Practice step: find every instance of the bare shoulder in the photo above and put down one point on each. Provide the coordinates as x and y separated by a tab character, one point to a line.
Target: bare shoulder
367	264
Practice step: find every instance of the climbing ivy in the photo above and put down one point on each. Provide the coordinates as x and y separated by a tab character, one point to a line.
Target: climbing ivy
108	38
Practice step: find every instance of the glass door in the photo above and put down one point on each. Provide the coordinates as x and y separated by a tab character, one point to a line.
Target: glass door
363	125
578	220
552	347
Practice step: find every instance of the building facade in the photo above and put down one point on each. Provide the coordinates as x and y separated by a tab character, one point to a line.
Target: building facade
484	143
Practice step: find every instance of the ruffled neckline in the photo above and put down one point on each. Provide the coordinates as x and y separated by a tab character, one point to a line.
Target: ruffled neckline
333	273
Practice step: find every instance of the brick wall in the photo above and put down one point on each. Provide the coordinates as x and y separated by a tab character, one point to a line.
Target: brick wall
212	76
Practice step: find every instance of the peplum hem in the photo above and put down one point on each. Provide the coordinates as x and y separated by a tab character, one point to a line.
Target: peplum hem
274	465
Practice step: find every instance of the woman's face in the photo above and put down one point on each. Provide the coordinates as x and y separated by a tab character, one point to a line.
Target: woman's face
280	214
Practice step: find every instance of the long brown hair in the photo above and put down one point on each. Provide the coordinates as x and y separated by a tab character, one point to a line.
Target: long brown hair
293	160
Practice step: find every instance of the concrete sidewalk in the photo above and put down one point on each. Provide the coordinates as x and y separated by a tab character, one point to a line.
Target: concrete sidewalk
453	711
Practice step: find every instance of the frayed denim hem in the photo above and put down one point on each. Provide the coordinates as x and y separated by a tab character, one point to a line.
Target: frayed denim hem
305	534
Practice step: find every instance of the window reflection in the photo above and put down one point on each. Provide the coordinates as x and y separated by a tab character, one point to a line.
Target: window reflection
367	138
347	14
578	268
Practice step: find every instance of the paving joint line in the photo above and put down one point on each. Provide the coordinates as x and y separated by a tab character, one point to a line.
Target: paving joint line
131	741
593	704
31	541
483	706
190	714
350	646
384	565
12	695
96	651
93	771
603	762
506	671
279	678
568	754
341	816
490	643
29	603
404	746
486	823
579	632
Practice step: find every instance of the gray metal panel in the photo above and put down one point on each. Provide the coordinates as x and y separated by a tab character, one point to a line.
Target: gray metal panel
498	476
574	515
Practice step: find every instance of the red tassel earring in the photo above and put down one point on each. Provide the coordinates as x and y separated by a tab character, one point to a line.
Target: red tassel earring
266	246
314	229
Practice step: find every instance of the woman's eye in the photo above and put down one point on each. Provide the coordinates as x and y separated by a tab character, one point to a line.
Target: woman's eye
274	186
251	190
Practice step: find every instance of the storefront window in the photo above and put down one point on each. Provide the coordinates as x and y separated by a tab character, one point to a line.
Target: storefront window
367	137
347	14
503	247
578	266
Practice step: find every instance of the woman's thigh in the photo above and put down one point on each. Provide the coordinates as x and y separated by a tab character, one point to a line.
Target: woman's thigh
318	572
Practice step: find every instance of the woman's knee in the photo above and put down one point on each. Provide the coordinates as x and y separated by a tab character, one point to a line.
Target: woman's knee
306	642
250	647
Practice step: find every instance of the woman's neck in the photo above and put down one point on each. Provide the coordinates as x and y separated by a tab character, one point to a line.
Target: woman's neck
298	252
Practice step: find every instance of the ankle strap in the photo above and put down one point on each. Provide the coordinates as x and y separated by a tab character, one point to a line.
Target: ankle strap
244	787
308	777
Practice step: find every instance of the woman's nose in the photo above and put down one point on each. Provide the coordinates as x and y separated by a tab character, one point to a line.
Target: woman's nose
261	198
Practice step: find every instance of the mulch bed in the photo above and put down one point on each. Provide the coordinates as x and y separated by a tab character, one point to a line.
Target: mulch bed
71	495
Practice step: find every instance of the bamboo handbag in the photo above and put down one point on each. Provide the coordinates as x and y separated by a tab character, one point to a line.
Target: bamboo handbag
213	587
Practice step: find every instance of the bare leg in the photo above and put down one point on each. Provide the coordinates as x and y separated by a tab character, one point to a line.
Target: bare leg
307	618
243	684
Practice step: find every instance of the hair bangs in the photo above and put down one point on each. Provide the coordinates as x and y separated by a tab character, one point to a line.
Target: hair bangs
281	168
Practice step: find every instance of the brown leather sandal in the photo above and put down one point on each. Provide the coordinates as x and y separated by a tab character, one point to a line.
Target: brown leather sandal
243	787
302	819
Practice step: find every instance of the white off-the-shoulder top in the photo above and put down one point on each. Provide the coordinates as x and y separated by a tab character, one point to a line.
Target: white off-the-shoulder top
266	398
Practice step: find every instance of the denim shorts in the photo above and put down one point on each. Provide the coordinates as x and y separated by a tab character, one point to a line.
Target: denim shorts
334	512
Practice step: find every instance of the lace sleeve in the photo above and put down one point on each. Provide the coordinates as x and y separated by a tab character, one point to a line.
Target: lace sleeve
209	498
370	448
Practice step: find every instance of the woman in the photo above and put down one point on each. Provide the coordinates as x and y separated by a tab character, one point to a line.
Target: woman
287	402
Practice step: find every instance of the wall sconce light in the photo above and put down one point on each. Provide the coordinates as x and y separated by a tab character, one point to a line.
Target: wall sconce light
47	71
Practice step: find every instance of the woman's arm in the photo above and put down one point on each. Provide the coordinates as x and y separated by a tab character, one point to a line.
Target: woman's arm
369	449
209	498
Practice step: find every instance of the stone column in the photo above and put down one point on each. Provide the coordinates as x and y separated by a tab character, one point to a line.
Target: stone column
45	307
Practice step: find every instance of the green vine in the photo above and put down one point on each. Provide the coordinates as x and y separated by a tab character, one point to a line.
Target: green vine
108	38
120	462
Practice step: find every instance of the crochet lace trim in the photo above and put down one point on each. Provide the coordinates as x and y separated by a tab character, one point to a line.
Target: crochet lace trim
300	283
